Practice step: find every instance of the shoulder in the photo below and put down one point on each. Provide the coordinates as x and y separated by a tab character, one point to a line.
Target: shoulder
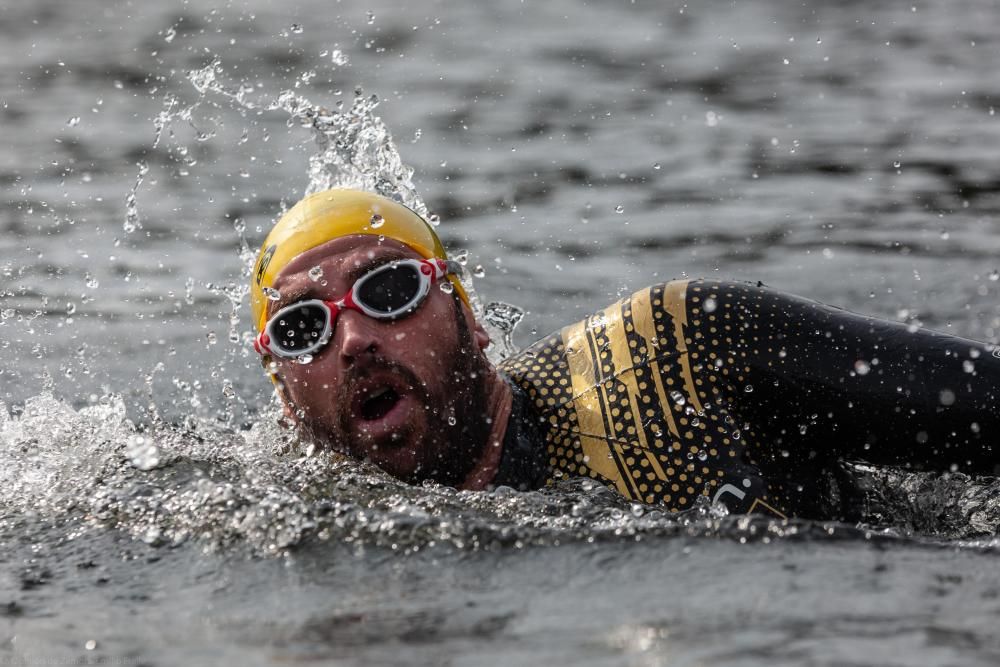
682	299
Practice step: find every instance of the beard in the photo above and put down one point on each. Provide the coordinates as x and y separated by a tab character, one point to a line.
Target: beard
455	426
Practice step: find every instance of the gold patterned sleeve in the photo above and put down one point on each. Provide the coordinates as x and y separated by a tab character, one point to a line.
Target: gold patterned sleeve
624	401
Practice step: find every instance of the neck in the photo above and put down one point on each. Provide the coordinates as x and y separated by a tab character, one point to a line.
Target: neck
499	400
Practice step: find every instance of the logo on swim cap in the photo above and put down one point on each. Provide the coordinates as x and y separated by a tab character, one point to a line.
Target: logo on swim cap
265	260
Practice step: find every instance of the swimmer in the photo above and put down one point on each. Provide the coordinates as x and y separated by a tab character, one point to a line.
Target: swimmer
732	391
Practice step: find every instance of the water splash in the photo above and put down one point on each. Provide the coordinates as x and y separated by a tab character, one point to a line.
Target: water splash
258	489
262	490
502	318
355	150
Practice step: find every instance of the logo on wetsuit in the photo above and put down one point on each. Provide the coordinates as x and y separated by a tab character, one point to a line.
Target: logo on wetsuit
265	261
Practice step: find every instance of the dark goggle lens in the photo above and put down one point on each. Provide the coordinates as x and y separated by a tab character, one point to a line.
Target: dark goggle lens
390	290
299	328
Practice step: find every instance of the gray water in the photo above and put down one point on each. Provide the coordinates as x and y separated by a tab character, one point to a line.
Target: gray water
151	510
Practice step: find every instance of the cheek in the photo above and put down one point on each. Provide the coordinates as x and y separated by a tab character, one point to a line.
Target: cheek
429	341
305	383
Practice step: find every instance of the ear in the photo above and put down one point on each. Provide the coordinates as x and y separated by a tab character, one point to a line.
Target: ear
480	335
288	417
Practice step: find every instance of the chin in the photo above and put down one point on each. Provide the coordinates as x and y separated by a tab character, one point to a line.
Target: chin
400	458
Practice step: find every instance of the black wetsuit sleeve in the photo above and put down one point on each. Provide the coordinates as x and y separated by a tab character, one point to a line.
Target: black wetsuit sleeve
813	384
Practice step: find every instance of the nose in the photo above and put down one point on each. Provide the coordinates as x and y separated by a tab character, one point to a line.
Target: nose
357	336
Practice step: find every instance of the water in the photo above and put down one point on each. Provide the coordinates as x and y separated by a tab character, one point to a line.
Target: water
153	510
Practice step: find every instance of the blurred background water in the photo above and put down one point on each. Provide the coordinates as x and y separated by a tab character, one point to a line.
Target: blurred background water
579	151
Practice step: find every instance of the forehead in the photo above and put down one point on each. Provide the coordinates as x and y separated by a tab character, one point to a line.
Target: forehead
342	255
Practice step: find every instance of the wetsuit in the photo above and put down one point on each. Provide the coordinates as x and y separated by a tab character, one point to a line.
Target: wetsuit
745	395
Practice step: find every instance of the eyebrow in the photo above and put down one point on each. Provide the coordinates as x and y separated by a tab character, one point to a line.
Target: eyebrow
373	263
311	291
290	296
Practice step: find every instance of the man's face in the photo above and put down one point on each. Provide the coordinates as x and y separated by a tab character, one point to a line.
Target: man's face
405	394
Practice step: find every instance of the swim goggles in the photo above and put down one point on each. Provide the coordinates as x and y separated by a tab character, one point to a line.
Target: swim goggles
389	292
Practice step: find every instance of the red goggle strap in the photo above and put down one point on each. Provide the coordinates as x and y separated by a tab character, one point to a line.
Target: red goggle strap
435	268
261	343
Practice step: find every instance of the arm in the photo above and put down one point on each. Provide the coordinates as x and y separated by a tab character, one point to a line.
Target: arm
816	383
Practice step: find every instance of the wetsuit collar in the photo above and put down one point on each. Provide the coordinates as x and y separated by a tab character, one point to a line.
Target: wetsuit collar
522	463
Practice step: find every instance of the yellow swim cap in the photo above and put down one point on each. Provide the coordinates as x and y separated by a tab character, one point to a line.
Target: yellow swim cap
324	216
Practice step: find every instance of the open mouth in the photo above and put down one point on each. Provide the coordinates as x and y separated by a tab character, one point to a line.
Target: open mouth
379	403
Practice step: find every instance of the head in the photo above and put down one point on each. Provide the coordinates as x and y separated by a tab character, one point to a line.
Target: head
409	394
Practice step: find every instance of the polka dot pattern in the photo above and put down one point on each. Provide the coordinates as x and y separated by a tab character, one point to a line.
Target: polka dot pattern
747	395
637	397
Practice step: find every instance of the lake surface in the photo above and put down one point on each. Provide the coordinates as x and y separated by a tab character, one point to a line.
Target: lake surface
152	511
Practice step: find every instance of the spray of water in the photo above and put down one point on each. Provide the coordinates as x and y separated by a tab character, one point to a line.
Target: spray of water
355	150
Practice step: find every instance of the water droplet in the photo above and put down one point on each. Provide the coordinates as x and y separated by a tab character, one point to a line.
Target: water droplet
339	58
91	281
702	455
377	221
479	271
295	29
677	397
711	118
862	367
657	166
142	453
946	397
74	121
994	275
710	305
90	645
211	337
434	219
371	17
619	209
736	435
304	359
170	34
637	510
451	420
315	273
446	287
968	366
748	389
271	293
